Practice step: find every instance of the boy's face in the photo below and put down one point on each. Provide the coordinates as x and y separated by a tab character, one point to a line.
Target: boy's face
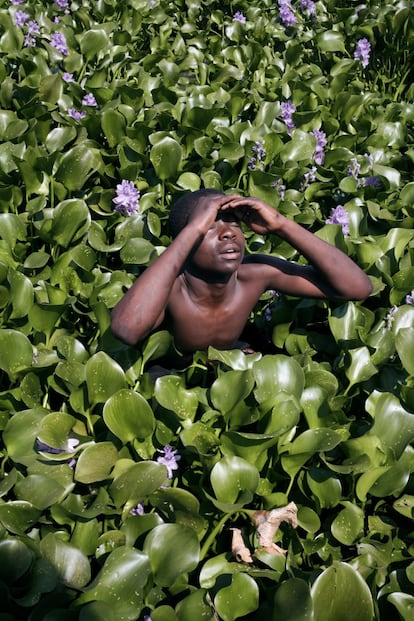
222	249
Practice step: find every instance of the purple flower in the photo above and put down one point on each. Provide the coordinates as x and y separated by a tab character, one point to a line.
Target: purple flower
169	459
20	18
286	14
319	153
354	169
71	444
33	27
277	185
409	298
62	4
127	198
67	77
373	181
147	618
77	115
339	216
309	6
89	100
59	43
138	510
29	41
16	1
362	51
239	17
288	108
259	154
308	178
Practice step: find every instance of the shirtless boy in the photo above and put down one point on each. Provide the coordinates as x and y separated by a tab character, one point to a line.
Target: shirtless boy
205	285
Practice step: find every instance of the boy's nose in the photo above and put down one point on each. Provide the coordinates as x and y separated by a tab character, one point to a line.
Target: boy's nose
225	230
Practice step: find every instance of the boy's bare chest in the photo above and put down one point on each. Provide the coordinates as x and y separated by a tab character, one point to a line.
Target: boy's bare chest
219	323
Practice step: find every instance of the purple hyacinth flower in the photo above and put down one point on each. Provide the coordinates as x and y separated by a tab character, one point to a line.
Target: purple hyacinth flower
127	198
339	216
362	51
169	459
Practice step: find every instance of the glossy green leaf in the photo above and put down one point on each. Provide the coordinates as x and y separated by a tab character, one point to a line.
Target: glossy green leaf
230	389
348	525
77	165
16	352
166	157
231	476
16	558
194	606
137	482
340	593
95	462
274	374
173	550
292	601
71	565
238	599
125	595
128	415
171	393
104	377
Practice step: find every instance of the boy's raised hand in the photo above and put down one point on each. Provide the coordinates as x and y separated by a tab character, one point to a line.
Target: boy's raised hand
256	214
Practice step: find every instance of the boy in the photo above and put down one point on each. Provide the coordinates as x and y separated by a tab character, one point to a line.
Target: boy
205	286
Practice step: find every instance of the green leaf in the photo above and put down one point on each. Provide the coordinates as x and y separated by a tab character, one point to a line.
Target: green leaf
104	377
360	368
292	601
95	462
194	606
124	596
15	560
71	220
173	550
340	593
16	352
230	389
232	476
128	415
238	599
404	344
77	165
276	374
137	482
331	41
166	157
348	525
171	393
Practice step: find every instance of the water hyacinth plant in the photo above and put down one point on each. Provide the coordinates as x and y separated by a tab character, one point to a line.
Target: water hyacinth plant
121	495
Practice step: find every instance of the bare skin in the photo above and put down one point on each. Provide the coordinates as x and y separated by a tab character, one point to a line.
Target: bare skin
209	302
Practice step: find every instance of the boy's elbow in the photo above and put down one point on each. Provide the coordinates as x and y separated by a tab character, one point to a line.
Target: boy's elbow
362	290
122	331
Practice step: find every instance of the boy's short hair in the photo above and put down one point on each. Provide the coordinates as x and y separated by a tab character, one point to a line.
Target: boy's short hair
180	211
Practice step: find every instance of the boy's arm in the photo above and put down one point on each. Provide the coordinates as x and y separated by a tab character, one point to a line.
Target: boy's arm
331	272
142	308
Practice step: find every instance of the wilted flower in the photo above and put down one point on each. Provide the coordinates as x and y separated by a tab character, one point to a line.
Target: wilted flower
89	100
59	43
409	298
390	317
239	17
20	18
362	51
319	153
286	14
77	115
288	108
169	459
127	198
339	216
